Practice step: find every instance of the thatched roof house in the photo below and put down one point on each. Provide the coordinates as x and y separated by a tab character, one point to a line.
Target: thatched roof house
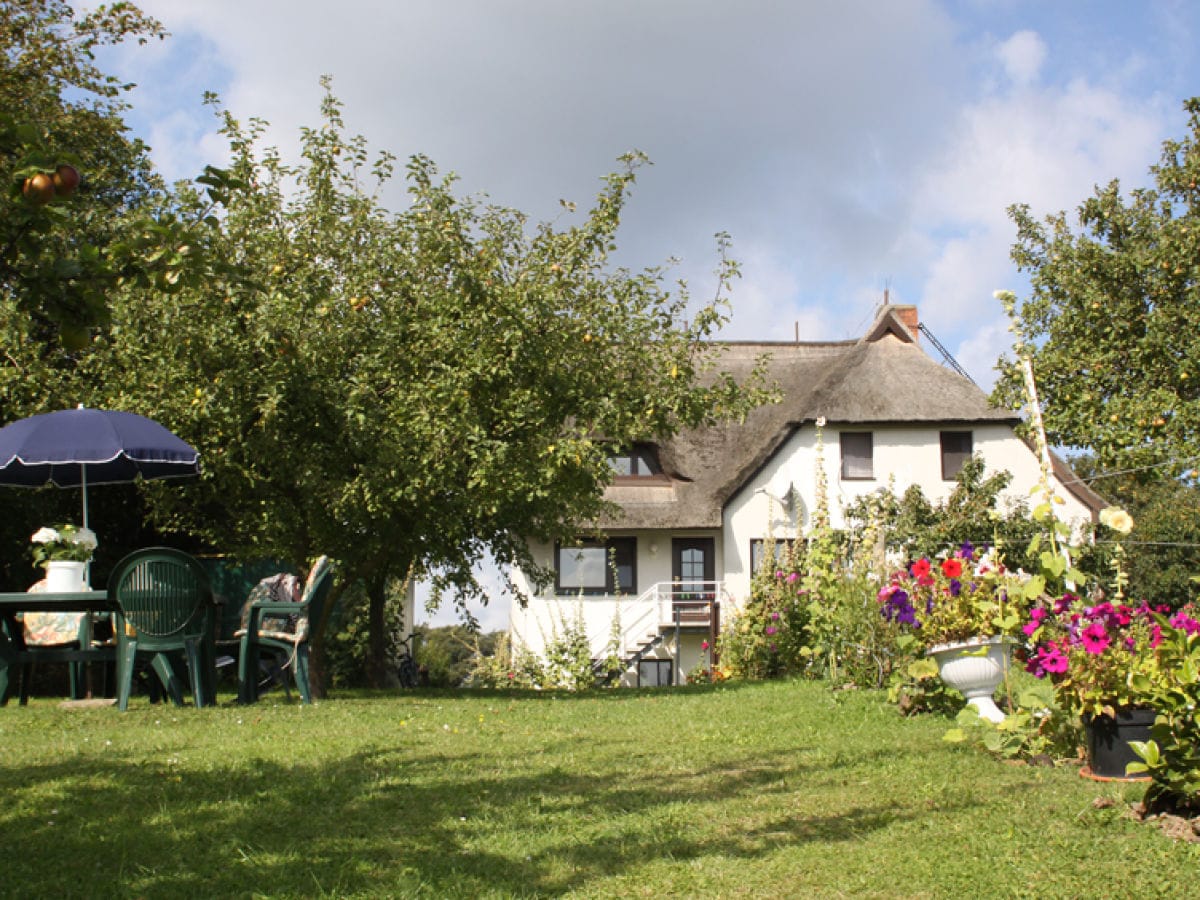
882	379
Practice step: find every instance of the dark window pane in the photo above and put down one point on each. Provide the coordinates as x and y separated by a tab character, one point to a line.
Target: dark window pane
773	554
956	450
590	567
581	567
624	553
857	454
654	673
640	462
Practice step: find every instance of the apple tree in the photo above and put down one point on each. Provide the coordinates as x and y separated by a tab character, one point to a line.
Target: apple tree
1113	322
407	391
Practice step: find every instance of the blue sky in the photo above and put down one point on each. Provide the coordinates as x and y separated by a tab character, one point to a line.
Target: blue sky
847	147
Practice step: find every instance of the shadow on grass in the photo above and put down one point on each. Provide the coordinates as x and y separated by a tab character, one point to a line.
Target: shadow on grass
386	822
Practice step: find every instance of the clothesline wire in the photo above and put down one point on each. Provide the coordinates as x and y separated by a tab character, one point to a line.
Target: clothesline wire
1187	460
1152	543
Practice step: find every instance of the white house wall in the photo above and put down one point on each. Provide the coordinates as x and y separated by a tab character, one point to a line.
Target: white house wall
901	457
547	614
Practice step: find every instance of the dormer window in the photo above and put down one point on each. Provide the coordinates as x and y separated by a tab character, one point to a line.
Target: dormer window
639	462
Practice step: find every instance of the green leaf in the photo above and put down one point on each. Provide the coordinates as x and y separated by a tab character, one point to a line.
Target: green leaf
1053	563
1034	587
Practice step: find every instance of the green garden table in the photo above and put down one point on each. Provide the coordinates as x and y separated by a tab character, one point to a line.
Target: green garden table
12	637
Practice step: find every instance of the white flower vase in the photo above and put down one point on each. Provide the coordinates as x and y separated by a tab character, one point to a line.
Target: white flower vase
64	576
975	669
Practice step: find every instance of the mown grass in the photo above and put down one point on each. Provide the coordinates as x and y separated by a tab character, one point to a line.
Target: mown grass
752	790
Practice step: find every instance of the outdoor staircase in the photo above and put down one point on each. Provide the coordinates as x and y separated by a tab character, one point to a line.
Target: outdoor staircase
670	608
605	675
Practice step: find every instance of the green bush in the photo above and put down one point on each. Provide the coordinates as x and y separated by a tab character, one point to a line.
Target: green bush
1172	756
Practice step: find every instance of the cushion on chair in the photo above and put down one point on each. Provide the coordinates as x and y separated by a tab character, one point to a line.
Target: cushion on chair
280	588
283	588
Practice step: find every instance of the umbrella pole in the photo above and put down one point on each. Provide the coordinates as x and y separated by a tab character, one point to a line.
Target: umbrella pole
87	566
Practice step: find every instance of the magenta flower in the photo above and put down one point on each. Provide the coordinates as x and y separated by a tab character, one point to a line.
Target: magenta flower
1051	659
771	629
1185	622
1095	638
792	578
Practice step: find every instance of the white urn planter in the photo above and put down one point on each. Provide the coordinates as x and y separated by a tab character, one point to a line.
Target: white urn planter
64	576
975	669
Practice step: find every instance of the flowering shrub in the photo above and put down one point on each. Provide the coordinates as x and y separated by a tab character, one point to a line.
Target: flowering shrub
1092	652
765	639
63	542
961	596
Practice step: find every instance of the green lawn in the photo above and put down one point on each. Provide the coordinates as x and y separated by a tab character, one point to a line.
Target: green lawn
760	790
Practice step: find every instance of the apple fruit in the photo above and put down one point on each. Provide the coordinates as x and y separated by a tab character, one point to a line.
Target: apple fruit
66	179
39	188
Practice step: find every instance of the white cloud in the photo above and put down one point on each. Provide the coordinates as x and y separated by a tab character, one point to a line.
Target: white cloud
982	349
1047	146
1022	56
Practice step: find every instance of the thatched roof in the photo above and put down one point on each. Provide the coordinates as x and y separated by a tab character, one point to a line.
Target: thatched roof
883	378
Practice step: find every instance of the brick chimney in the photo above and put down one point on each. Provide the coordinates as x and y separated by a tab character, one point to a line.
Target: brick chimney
907	314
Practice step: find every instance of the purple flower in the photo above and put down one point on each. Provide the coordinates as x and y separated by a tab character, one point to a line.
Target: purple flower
897	607
774	617
771	629
955	587
967	550
791	579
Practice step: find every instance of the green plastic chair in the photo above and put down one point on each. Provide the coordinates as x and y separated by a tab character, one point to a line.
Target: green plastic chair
289	645
166	608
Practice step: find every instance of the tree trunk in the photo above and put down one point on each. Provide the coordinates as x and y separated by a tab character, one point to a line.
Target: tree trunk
316	660
378	664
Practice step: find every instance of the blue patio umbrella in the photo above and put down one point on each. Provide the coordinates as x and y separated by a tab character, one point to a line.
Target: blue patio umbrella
78	447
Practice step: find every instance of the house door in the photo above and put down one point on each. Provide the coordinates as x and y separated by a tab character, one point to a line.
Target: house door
693	562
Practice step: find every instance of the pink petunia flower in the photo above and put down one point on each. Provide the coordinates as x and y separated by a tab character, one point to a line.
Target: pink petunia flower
1095	638
1052	659
1185	622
